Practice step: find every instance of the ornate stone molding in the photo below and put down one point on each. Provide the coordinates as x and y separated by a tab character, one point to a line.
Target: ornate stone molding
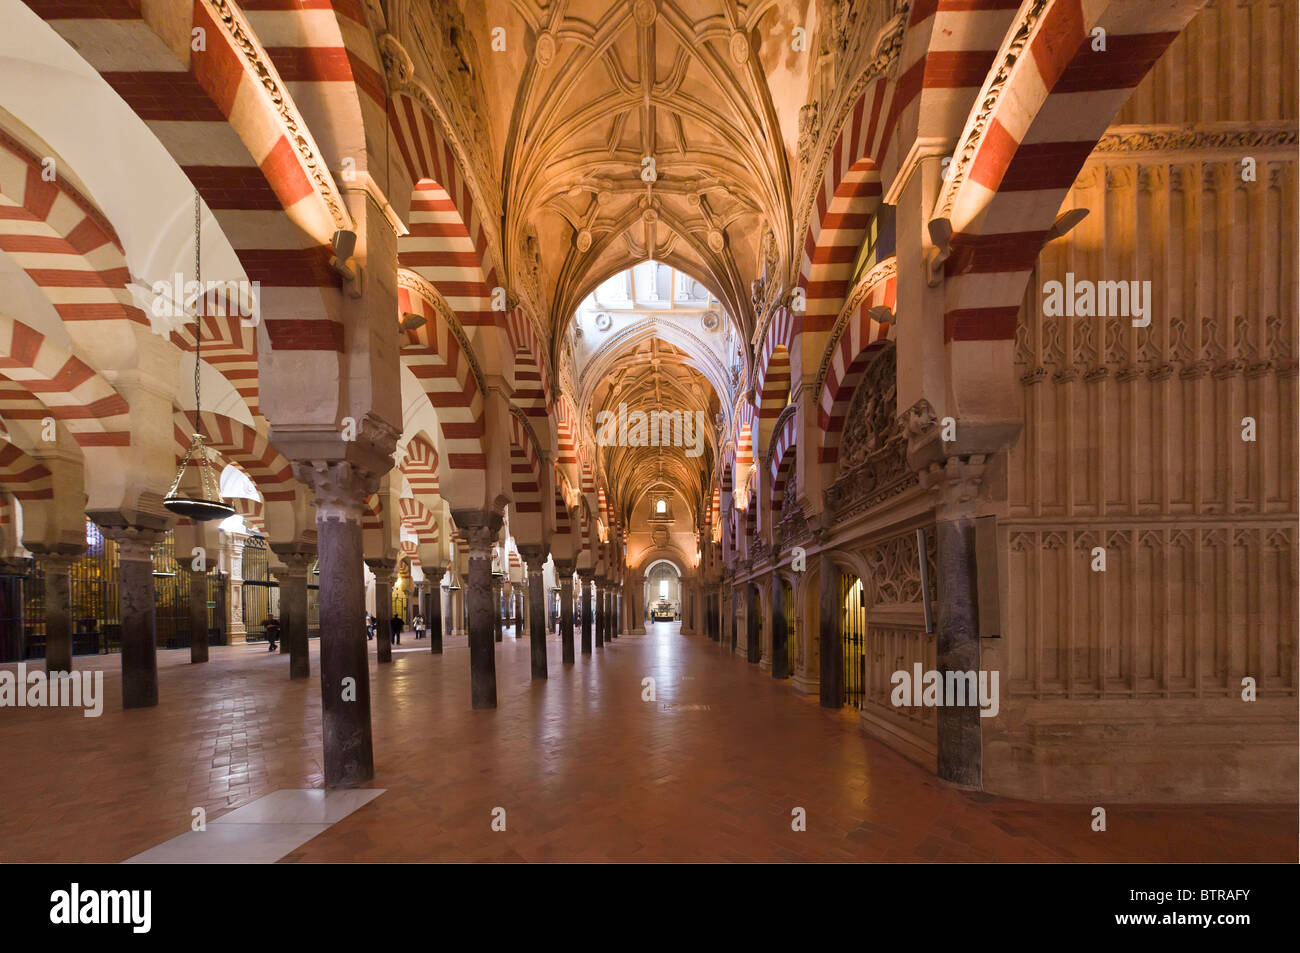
1008	58
957	480
1207	137
276	94
880	272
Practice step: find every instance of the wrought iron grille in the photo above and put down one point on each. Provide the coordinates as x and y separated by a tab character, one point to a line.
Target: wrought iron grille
854	628
261	593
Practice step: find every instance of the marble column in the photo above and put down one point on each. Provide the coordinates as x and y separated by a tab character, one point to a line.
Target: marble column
434	618
297	559
339	490
58	613
753	637
136	597
565	572
780	655
618	611
536	613
480	528
584	608
383	570
599	620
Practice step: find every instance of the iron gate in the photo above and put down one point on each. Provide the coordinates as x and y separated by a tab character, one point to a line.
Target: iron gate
854	628
791	626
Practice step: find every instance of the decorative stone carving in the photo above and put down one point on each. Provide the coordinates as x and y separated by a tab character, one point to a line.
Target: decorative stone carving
873	448
544	50
895	569
809	129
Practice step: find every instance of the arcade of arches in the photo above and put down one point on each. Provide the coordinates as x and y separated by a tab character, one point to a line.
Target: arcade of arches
824	340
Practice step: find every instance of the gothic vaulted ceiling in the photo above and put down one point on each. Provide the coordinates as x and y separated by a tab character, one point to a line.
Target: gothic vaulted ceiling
633	129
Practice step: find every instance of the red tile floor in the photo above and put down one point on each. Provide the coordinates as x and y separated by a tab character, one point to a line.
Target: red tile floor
584	768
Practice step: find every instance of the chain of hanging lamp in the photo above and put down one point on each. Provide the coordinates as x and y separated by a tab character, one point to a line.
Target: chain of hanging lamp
198	310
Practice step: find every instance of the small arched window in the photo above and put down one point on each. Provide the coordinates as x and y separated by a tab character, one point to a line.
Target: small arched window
661	506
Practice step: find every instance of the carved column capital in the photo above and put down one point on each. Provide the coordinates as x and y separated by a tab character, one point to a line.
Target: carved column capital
956	481
339	488
383	569
480	529
134	543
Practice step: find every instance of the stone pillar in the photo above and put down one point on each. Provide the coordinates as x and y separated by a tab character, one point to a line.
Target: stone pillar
136	597
340	489
297	559
58	613
753	638
434	617
957	641
383	570
480	528
780	658
599	620
496	607
618	611
565	571
536	613
584	607
831	637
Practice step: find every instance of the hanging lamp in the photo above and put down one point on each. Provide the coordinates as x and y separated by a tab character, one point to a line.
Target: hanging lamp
195	492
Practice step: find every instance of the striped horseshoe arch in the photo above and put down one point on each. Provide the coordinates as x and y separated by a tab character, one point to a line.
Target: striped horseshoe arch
69	389
773	384
229	120
851	353
420	467
25	478
1041	113
244	446
434	355
783	455
420	520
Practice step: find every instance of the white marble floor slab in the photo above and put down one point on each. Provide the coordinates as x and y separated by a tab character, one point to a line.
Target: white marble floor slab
261	832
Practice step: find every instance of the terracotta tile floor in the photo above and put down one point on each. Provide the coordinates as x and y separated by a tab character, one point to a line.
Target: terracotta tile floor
584	768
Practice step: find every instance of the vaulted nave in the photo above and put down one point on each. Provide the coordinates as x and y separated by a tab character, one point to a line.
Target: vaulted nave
806	430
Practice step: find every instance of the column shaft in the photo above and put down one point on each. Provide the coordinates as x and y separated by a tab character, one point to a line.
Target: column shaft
584	595
566	617
139	632
780	656
536	621
482	612
58	615
434	618
344	660
958	648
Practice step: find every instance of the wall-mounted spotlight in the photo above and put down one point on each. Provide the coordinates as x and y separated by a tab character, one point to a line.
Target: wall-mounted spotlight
412	322
940	237
1067	221
344	243
881	314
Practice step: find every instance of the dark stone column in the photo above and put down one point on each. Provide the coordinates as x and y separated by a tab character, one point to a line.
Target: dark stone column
58	613
136	596
780	658
618	611
480	529
496	608
565	571
753	637
339	489
599	613
584	608
536	614
297	559
383	570
433	618
831	632
958	648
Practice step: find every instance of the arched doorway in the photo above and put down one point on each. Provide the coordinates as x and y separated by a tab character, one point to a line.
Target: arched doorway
853	626
663	592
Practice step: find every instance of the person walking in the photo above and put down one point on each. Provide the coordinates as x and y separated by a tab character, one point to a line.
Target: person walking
418	625
397	629
370	627
272	633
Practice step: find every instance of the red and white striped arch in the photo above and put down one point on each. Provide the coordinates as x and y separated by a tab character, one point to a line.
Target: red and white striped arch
420	467
435	356
525	470
230	122
253	512
532	382
783	454
244	446
62	241
851	354
372	514
835	236
773	384
1042	117
71	391
420	520
566	435
27	479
